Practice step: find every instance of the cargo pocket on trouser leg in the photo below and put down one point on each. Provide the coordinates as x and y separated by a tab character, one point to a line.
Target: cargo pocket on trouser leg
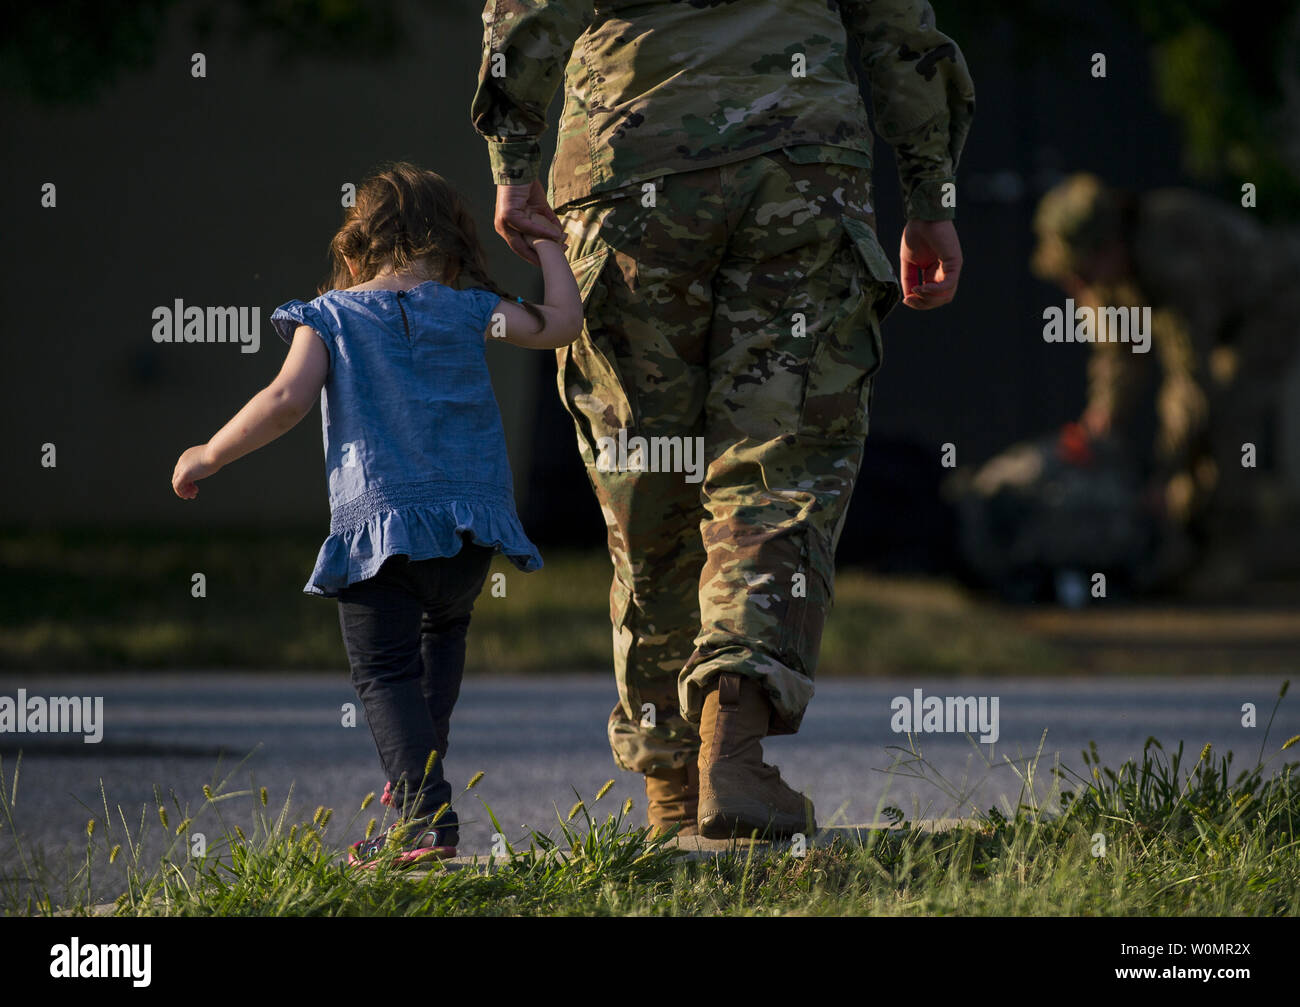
838	387
589	381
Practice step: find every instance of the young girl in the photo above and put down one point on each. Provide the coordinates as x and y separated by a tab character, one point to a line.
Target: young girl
420	488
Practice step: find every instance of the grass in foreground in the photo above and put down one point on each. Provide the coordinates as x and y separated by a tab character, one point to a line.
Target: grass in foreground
1151	838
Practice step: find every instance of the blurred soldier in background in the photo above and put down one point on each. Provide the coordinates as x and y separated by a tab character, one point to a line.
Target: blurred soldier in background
1225	307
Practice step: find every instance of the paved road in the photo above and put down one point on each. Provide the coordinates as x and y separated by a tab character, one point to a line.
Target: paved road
537	739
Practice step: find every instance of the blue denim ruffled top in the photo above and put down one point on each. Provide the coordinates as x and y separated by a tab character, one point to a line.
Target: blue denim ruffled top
414	445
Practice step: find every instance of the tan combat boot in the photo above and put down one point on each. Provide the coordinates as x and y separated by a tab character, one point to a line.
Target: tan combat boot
673	795
739	793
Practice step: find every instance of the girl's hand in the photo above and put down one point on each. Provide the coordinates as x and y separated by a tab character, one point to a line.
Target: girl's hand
533	240
190	468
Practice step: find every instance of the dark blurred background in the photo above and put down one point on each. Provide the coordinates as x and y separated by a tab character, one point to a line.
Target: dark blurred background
225	190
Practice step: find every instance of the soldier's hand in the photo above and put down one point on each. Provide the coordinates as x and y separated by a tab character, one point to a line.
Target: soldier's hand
929	258
1096	420
522	210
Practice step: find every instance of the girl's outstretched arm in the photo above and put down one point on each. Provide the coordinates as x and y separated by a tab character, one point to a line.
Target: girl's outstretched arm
273	411
561	312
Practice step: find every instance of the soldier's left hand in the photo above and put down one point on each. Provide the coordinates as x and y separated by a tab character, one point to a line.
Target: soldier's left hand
929	259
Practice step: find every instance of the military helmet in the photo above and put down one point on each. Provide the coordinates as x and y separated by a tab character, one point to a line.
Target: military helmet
1075	218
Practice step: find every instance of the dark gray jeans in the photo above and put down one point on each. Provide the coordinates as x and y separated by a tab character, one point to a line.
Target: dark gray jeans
404	630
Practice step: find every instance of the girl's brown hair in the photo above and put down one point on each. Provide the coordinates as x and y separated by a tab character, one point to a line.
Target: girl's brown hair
410	217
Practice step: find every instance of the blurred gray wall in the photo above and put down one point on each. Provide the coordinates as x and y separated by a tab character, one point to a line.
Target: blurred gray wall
218	191
225	191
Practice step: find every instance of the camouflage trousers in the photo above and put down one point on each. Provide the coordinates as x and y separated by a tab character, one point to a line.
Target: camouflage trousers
720	391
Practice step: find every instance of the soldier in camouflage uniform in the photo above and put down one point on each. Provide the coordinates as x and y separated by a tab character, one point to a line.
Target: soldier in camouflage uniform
712	178
1224	305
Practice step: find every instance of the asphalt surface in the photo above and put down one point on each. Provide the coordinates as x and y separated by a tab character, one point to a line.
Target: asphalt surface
540	739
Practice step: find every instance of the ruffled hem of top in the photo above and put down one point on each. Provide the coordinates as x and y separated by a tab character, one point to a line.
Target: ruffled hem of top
423	531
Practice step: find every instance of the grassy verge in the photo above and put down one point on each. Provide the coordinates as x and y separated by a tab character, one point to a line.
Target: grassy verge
88	600
1153	837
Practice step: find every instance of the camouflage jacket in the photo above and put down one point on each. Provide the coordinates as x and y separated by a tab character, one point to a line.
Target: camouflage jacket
653	87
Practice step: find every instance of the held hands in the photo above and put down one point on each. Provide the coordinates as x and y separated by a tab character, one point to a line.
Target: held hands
522	214
929	248
190	468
